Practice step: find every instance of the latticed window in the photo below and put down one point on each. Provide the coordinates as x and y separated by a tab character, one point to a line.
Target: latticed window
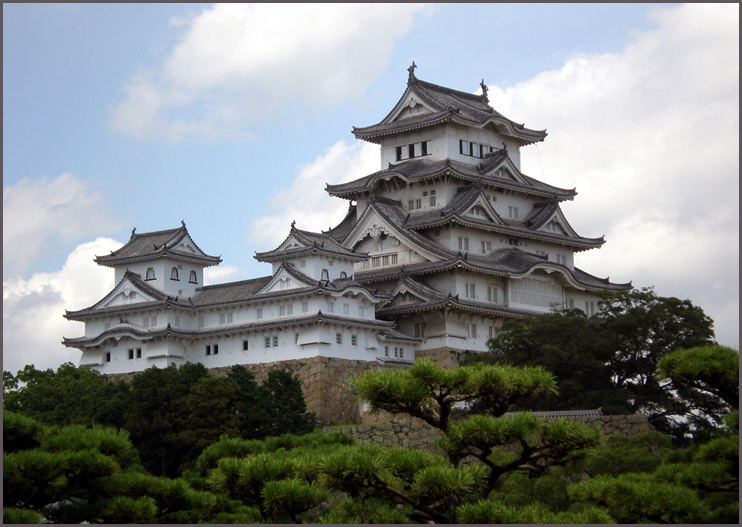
150	274
174	274
325	274
192	277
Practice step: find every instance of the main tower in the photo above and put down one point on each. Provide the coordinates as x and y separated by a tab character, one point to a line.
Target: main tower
456	234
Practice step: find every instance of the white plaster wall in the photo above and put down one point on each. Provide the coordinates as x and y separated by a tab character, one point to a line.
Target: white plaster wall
162	281
486	136
436	150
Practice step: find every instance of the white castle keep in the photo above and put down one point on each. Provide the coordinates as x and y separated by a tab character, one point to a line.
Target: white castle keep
438	247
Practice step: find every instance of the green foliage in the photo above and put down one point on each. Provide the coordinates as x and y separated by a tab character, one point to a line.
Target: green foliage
107	441
285	409
366	511
621	454
609	360
706	371
286	499
429	392
70	395
490	511
122	509
20	432
638	498
11	515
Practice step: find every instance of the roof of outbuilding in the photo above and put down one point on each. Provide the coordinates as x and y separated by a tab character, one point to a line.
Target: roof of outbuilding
464	108
156	244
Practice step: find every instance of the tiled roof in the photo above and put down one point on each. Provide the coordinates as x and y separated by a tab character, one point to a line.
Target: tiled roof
447	105
393	334
414	170
452	212
229	292
502	262
160	299
314	242
151	245
556	414
341	230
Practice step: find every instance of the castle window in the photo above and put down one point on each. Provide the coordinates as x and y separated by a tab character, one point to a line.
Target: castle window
424	148
419	329
492	332
360	311
375	261
386	351
108	356
267	342
330	307
131	354
385	260
411	151
275	341
150	274
338	338
473	331
394	258
491	293
174	274
411	204
139	353
145	322
216	349
483	248
244	345
463	244
432	198
259	313
346	309
354	340
325	274
281	311
208	349
296	338
399	153
418	203
343	274
304	307
192	279
470	292
229	318
302	263
401	353
513	212
221	318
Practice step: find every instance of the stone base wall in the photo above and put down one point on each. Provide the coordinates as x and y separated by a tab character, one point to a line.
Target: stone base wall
413	433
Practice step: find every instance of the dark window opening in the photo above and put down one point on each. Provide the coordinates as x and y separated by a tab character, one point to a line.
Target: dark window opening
108	356
399	153
192	278
244	345
174	274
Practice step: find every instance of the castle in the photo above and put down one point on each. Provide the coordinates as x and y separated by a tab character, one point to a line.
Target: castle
441	245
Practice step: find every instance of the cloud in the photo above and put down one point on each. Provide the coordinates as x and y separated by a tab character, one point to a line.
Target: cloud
36	210
649	137
221	274
236	64
33	325
306	200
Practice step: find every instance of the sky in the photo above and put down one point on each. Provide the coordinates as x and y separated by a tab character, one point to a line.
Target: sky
234	117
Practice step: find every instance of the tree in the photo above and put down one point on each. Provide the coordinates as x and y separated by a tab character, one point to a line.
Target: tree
70	395
608	360
284	407
74	474
707	377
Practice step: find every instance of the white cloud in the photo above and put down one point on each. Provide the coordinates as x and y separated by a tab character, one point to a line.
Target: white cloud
649	137
221	274
33	324
237	63
35	210
306	200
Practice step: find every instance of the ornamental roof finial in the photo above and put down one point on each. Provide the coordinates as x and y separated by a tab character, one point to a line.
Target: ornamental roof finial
484	91
182	223
132	234
293	223
411	70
